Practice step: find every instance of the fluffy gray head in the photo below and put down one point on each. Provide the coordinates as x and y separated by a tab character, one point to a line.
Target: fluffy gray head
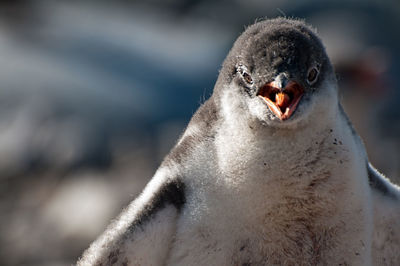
277	67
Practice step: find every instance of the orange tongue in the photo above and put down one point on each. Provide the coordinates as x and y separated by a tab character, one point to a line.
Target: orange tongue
282	100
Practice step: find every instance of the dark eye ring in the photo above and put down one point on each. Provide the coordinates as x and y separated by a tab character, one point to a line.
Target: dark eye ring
243	72
247	78
312	75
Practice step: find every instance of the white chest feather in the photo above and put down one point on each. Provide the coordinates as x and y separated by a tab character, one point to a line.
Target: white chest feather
277	197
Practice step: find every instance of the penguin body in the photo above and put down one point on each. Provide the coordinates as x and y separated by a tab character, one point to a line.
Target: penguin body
269	171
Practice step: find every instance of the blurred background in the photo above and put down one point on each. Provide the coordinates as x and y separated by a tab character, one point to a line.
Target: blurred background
93	94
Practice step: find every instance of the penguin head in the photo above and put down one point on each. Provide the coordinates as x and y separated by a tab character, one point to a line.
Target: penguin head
280	71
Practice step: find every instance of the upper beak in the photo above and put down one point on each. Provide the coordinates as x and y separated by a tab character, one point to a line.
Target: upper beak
280	82
282	96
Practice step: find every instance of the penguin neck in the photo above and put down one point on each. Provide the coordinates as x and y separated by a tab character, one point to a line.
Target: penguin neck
246	147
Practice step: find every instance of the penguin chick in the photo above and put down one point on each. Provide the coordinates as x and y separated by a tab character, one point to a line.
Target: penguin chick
268	172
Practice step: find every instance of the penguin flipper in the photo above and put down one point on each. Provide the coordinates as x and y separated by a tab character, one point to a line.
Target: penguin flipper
379	183
386	219
143	233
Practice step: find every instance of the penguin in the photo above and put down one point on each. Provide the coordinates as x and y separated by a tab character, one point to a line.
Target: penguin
269	171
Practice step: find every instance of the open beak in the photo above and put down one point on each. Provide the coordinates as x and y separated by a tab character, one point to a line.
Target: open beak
281	100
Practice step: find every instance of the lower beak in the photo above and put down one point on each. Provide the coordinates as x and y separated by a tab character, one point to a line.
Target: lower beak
281	101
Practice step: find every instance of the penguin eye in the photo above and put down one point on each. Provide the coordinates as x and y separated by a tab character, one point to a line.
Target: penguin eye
312	75
246	76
